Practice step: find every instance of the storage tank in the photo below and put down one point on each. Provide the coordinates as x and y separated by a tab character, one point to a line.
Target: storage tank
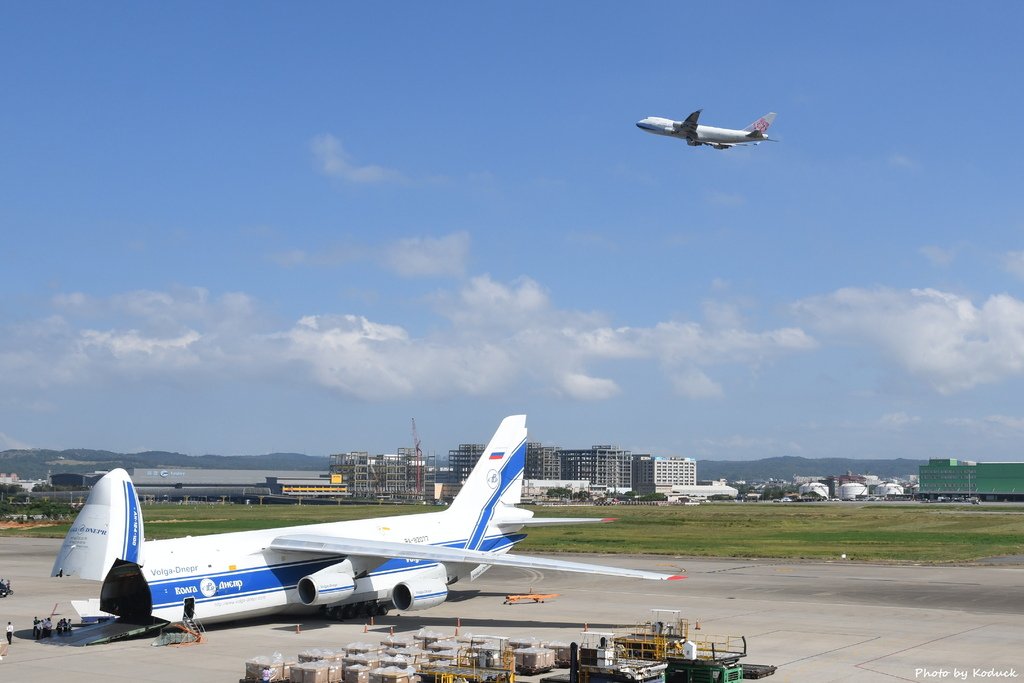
888	489
814	488
851	490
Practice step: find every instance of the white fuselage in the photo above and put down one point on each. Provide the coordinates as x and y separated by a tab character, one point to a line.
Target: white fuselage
235	575
704	134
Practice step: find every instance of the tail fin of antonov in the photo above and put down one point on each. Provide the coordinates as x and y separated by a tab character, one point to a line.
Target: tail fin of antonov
496	480
761	125
108	528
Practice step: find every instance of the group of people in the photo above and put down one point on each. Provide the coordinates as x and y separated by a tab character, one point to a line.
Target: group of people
43	628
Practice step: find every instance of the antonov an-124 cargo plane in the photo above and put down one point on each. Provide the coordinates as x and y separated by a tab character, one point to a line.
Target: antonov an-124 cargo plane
719	138
353	568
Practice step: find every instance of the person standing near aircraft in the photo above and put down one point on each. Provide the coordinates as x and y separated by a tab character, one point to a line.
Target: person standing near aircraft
10	632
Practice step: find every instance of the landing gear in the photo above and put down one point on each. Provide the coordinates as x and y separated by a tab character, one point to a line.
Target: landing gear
370	608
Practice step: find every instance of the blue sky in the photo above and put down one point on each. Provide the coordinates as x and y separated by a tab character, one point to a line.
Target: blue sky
253	227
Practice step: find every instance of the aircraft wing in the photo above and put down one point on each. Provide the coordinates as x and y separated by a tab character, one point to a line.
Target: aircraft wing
315	544
688	127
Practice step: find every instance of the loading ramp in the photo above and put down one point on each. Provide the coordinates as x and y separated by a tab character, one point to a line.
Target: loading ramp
106	632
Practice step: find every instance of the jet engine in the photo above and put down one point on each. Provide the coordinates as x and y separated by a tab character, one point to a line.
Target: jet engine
329	585
422	592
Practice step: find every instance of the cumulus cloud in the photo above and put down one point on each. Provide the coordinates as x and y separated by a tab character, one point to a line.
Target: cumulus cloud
941	337
583	387
428	256
335	162
490	337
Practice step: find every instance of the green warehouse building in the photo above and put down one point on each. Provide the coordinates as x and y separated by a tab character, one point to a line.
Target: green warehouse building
992	481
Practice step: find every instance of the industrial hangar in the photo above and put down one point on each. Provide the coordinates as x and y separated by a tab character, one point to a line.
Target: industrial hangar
947	478
181	483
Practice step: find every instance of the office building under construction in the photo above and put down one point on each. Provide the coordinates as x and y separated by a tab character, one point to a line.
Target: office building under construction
406	475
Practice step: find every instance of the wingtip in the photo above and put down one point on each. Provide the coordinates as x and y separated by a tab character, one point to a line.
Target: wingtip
675	577
606	520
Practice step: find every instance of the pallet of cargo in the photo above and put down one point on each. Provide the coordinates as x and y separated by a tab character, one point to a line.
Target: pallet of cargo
753	671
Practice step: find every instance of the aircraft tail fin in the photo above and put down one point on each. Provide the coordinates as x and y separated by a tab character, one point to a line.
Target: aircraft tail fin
108	528
761	125
497	479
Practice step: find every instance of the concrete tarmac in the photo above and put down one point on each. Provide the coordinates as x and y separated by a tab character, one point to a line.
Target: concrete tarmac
819	621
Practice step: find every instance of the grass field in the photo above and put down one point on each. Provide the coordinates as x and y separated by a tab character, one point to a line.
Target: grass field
897	533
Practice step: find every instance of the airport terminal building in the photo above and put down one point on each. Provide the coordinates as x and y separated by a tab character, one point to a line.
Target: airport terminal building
987	481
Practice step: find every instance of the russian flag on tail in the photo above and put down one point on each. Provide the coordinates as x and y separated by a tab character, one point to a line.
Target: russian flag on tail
497	455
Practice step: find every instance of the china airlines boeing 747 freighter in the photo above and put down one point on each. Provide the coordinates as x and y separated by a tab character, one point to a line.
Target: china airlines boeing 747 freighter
346	569
719	138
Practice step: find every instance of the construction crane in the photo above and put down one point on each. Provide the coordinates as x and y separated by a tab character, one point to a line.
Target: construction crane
418	462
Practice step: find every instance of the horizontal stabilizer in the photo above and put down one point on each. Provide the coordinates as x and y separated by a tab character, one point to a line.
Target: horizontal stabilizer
553	521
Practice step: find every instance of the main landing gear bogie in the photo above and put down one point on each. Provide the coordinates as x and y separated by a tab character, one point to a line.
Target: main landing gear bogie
357	610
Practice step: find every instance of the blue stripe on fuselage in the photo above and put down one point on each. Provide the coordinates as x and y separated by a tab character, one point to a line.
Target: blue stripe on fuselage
281	577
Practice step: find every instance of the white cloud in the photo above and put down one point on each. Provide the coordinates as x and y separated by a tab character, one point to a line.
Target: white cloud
125	345
335	162
763	445
429	256
583	387
992	425
693	383
1013	262
9	443
940	337
937	255
901	161
897	420
446	255
489	338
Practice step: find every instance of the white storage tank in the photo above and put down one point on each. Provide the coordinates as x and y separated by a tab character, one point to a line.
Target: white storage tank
888	489
814	488
851	490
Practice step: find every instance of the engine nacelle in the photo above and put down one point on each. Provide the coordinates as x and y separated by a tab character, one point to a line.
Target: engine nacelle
421	592
329	585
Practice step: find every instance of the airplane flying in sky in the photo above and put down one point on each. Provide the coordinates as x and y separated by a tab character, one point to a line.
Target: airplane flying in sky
719	138
352	568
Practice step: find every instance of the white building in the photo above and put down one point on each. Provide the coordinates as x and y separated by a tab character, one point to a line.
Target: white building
658	474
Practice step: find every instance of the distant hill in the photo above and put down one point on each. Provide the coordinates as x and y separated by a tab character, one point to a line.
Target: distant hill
37	463
787	467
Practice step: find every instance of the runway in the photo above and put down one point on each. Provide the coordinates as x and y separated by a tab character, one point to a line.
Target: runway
814	621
